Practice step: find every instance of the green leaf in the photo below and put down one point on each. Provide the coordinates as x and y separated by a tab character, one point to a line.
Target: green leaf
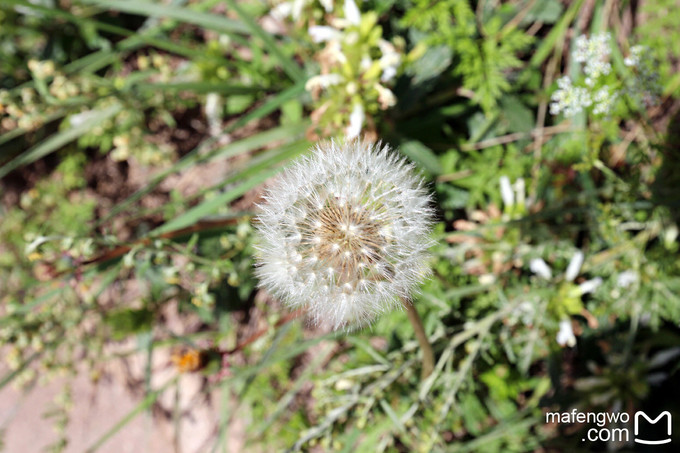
519	117
546	11
421	155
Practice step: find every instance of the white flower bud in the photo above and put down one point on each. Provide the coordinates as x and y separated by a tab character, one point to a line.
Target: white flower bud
574	266
540	268
352	13
507	194
590	285
565	336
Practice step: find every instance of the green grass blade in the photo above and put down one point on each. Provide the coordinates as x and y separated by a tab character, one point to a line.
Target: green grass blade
285	133
190	16
421	155
60	139
287	63
6	379
200	87
207	207
269	106
557	33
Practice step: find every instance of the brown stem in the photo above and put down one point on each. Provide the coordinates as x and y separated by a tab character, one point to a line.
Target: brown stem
425	346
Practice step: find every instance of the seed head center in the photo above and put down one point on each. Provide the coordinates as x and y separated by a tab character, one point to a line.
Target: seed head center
346	240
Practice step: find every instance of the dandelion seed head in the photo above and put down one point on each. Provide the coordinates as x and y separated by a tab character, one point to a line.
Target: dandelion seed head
362	245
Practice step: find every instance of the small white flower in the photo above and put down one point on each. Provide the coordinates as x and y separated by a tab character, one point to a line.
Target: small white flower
525	313
507	194
352	13
626	278
385	96
580	53
356	121
79	118
323	33
282	10
569	99
298	6
594	52
520	191
635	57
213	108
327	5
590	285
574	266
644	87
540	268
389	61
565	336
603	101
345	233
322	81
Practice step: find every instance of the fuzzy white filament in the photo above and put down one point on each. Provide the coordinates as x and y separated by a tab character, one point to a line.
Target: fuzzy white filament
345	232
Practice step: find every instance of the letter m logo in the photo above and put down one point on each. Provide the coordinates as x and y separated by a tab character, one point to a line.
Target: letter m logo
639	414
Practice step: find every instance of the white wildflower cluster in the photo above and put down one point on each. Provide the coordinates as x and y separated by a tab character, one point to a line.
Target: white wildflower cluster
570	99
538	266
356	66
599	91
594	53
646	86
603	101
344	233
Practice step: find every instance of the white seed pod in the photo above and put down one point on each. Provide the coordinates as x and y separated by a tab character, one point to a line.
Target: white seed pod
345	232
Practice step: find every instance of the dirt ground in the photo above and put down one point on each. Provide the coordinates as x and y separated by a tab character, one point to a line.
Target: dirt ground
97	408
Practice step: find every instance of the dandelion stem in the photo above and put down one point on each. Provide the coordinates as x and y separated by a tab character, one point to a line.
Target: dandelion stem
425	346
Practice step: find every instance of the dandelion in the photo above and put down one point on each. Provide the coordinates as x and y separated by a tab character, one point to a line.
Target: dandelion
344	233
